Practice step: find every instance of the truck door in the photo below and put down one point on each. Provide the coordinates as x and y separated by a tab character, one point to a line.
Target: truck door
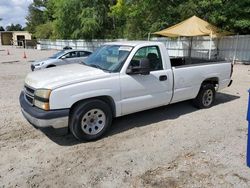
140	92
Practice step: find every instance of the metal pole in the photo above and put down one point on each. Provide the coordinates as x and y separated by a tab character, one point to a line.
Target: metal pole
190	47
178	43
236	47
210	47
248	137
149	36
217	48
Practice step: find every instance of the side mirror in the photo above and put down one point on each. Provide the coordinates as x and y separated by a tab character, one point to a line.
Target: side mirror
63	57
143	68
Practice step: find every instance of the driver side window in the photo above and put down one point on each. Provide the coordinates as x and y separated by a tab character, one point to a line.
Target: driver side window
152	53
70	55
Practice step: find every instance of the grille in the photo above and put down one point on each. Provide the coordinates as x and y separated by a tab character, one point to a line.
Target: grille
29	94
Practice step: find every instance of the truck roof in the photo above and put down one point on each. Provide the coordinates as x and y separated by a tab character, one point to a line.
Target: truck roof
133	43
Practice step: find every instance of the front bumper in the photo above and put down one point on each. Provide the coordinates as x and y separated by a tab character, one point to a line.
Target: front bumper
40	118
35	68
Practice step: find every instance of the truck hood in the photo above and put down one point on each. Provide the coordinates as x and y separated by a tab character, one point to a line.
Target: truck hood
63	75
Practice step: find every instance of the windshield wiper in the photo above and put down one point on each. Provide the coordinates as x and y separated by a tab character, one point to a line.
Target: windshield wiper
84	63
99	67
96	66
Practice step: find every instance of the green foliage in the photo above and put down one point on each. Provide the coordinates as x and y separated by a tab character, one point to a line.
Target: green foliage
14	27
44	31
1	27
118	15
36	15
81	19
66	17
89	25
229	15
88	19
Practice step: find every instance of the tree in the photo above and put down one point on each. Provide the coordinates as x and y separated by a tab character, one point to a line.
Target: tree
14	27
82	19
36	15
1	27
140	17
67	17
88	19
44	31
118	15
234	16
226	14
89	24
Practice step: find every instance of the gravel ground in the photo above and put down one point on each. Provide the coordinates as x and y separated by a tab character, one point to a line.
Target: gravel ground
172	146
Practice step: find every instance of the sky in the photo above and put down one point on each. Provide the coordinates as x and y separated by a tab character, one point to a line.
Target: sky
13	11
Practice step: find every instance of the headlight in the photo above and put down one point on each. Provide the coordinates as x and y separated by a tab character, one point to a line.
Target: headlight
43	93
39	64
41	99
42	105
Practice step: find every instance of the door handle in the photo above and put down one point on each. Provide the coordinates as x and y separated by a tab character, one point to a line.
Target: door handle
163	77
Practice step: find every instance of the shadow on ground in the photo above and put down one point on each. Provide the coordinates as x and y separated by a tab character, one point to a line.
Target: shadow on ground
143	118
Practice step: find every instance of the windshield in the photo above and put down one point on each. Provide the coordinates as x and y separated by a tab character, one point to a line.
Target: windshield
109	57
58	54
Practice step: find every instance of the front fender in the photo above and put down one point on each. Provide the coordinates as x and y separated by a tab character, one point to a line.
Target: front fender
66	96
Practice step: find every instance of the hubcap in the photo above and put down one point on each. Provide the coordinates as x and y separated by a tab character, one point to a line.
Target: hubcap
207	97
93	121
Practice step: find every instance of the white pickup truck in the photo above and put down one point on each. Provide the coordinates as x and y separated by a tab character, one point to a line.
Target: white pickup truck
119	78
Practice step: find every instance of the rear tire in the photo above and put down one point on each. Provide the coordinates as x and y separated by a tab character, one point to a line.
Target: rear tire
205	97
90	120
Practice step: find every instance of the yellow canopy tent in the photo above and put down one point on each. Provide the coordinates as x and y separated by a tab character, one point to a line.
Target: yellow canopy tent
191	27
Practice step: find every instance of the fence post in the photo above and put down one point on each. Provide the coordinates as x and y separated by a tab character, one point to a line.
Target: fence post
210	46
248	135
149	36
235	49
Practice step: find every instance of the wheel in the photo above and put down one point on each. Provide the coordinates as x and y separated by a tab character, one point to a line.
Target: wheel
205	97
90	120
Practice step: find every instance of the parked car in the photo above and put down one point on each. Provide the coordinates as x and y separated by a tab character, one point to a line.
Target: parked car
118	79
67	48
63	57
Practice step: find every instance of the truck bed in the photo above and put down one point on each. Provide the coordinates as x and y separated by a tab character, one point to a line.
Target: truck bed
182	61
188	78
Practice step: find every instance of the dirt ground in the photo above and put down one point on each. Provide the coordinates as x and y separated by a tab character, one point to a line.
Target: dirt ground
172	146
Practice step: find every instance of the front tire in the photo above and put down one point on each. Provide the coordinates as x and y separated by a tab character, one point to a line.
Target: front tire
205	97
90	120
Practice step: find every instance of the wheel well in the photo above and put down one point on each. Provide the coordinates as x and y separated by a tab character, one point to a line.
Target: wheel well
50	66
107	99
214	81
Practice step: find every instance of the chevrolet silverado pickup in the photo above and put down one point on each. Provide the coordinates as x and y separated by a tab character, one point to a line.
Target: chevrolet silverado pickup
119	78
